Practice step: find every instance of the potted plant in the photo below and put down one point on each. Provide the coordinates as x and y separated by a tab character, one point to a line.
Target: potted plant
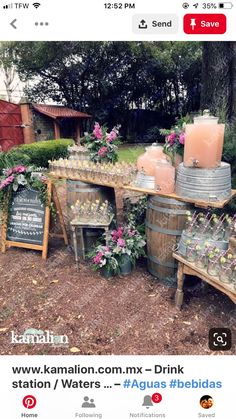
104	261
128	245
124	246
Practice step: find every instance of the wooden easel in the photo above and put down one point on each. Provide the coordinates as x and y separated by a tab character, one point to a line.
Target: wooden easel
52	197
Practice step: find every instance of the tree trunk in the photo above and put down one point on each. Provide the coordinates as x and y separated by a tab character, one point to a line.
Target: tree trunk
219	79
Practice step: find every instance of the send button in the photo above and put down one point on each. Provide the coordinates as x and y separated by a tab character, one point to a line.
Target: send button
162	24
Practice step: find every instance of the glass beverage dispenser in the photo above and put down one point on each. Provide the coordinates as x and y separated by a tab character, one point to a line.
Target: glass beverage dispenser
204	142
148	160
164	177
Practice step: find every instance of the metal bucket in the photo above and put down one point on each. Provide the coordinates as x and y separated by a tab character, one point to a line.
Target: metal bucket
145	182
220	244
206	184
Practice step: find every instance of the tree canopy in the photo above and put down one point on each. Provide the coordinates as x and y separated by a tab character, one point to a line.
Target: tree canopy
101	76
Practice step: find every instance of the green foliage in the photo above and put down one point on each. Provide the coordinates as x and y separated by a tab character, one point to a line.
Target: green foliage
107	77
153	134
13	158
36	154
135	212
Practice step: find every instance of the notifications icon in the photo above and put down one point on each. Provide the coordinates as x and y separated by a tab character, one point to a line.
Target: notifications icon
29	402
147	402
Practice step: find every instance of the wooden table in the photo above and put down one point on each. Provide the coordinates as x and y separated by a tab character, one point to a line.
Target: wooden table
76	225
198	203
187	268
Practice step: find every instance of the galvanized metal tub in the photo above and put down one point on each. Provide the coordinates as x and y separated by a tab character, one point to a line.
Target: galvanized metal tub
145	182
205	184
182	247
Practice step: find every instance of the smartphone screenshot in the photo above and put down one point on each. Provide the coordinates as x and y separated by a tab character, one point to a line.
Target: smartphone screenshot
117	209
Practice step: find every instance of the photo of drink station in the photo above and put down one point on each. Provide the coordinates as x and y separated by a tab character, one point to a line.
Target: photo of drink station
117	197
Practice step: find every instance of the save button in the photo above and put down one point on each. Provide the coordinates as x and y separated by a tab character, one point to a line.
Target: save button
205	24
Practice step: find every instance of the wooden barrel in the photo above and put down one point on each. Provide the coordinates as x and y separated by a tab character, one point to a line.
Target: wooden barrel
85	191
207	184
165	221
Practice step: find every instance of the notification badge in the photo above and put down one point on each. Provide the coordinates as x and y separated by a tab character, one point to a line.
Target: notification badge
205	24
156	398
29	402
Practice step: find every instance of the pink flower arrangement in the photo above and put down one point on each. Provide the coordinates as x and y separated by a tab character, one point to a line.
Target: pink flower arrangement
97	132
121	243
10	175
174	141
101	144
14	179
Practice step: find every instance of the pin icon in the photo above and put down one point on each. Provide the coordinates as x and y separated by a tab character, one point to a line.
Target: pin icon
29	402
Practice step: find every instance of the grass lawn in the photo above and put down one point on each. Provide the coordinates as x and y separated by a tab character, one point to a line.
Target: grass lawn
130	153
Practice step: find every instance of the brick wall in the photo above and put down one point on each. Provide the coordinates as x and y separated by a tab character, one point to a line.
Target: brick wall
44	124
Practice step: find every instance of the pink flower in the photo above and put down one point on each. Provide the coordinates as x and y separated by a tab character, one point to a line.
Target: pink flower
120	232
131	233
112	136
102	151
121	242
6	182
97	259
182	138
117	234
97	132
107	249
19	169
171	138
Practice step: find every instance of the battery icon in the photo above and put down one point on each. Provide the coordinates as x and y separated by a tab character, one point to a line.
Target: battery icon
226	5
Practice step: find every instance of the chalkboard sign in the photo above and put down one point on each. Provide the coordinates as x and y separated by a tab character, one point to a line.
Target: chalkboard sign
26	217
27	222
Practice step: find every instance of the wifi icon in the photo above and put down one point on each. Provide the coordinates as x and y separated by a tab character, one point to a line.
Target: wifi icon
36	5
